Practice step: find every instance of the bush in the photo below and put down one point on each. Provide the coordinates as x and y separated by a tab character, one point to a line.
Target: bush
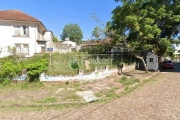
12	67
36	68
5	81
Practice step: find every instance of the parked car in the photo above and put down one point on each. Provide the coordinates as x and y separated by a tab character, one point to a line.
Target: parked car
167	64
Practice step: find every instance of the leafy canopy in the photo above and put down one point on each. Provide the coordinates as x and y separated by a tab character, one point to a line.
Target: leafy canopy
98	33
148	25
73	32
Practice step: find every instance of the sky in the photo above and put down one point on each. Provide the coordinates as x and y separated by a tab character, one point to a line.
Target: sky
55	14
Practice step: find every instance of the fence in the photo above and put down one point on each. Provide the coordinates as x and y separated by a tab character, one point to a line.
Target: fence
70	63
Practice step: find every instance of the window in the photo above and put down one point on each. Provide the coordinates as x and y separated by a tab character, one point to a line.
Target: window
22	49
18	48
21	30
17	30
25	30
26	48
150	59
43	49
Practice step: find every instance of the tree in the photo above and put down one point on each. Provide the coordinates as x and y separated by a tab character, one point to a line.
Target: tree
73	32
146	25
55	39
98	33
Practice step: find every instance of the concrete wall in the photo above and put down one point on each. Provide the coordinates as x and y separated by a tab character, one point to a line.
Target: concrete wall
59	47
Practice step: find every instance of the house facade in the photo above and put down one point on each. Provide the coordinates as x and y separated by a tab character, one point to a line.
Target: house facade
22	34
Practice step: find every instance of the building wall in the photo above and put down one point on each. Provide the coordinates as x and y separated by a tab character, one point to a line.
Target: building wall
7	37
69	43
176	47
48	36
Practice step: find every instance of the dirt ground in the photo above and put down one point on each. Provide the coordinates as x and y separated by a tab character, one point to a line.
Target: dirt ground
154	100
20	96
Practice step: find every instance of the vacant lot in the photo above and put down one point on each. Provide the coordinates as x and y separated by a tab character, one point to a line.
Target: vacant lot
155	100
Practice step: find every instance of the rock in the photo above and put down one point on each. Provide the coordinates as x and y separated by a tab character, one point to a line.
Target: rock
87	95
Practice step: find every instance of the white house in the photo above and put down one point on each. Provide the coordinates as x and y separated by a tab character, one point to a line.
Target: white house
71	44
23	33
176	48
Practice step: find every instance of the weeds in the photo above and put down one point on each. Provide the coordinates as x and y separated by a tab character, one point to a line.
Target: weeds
126	82
48	100
24	85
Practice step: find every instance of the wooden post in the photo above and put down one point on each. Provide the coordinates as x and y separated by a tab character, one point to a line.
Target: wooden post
50	61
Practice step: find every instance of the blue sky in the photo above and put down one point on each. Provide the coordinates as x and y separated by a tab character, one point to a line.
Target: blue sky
55	14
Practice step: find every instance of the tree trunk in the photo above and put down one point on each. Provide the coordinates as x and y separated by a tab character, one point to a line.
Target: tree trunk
136	56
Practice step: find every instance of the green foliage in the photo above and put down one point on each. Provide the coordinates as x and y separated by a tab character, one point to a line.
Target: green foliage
12	66
6	81
125	81
111	93
61	63
55	39
147	25
74	65
73	32
96	49
36	68
48	100
98	33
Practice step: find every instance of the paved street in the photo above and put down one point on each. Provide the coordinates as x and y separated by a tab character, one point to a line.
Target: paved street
158	100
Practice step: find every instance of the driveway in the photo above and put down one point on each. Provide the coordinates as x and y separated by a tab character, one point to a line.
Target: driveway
157	100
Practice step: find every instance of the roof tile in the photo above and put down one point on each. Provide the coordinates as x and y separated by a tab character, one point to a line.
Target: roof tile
15	15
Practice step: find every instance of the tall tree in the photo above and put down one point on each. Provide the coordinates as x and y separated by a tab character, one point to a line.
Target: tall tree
146	25
98	33
73	32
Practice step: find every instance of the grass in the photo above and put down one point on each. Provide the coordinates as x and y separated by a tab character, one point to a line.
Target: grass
24	85
126	82
99	94
48	100
39	107
68	94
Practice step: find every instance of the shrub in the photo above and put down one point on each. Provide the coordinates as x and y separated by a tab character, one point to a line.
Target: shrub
36	68
10	69
5	81
12	66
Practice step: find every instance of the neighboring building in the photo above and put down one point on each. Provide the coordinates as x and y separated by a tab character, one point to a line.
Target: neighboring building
92	43
26	34
71	44
119	48
96	42
176	48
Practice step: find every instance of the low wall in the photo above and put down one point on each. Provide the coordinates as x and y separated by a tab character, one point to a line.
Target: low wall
81	77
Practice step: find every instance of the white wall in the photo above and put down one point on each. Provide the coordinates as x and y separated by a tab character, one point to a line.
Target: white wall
176	47
7	37
69	43
48	36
